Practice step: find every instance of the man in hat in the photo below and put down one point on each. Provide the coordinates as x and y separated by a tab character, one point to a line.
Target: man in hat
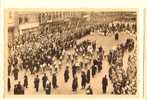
9	85
99	64
116	36
88	75
15	89
104	84
94	70
44	80
66	74
25	81
83	82
75	84
15	72
20	89
54	81
36	83
9	70
74	70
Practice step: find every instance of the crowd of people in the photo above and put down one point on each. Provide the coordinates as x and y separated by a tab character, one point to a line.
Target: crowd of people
38	53
116	27
122	83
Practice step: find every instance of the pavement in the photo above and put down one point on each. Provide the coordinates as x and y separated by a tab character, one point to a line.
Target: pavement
66	88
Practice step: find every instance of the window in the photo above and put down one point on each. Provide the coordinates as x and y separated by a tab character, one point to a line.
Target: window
20	20
26	19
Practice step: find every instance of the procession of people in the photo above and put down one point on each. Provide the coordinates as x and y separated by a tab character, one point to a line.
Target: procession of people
49	54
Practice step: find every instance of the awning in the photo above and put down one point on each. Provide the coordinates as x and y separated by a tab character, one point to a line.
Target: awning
28	26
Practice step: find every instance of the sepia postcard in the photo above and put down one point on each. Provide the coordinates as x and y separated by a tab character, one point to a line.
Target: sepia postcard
71	52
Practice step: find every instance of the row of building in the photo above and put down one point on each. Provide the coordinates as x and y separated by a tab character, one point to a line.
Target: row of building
20	22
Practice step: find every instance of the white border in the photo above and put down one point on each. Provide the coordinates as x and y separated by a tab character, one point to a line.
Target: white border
140	4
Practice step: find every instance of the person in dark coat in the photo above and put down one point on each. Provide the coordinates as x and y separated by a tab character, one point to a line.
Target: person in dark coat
25	81
110	57
44	80
9	70
89	90
94	46
93	70
95	62
54	81
104	84
74	70
105	32
100	49
83	82
116	36
48	88
75	84
88	76
15	72
66	74
15	89
36	83
99	65
9	85
20	89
